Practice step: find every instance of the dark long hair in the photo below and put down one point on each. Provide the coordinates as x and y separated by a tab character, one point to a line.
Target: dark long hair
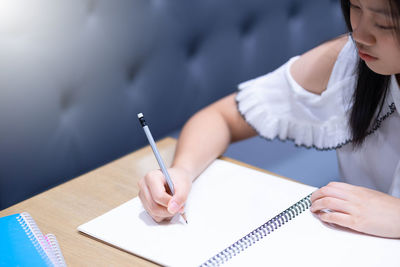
371	88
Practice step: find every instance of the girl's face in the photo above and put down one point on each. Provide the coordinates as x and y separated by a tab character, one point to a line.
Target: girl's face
375	36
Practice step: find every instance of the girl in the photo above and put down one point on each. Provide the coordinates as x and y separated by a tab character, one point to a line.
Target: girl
342	95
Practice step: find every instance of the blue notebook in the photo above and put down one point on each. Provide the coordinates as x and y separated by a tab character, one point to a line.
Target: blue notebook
23	244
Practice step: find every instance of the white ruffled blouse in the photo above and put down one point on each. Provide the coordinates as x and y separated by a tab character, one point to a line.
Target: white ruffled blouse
276	106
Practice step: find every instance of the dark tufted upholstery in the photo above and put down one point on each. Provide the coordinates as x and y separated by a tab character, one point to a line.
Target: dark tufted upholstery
74	73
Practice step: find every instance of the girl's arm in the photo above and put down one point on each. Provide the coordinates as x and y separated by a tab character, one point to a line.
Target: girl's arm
207	135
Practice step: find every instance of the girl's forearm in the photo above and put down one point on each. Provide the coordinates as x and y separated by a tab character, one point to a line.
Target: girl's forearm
203	138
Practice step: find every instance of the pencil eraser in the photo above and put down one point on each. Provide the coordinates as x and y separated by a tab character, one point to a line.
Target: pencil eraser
140	115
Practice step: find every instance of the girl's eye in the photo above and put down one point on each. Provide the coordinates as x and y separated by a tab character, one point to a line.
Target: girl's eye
353	6
384	27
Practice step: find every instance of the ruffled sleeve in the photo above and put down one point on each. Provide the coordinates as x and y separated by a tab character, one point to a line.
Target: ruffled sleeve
276	106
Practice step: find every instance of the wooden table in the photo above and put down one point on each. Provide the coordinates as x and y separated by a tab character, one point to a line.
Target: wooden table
62	209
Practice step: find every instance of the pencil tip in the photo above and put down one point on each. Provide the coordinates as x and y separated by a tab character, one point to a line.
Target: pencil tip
184	217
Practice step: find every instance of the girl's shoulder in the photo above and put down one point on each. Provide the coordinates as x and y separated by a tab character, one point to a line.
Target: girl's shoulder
313	69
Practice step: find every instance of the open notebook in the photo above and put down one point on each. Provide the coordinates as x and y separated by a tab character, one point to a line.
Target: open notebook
241	217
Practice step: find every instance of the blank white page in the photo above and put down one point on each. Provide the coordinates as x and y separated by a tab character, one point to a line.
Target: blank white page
306	241
226	202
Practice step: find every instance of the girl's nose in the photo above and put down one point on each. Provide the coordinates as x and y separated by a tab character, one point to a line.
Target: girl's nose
362	34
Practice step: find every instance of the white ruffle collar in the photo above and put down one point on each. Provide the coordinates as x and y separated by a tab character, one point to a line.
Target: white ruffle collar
289	112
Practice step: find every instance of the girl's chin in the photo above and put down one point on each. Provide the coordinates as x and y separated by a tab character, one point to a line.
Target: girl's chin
379	69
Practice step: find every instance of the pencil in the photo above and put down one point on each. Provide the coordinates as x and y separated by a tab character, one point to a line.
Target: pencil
158	157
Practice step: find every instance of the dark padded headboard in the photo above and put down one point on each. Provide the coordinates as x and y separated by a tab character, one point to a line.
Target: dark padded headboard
74	73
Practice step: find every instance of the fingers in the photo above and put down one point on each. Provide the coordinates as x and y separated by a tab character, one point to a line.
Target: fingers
338	218
177	202
333	189
158	212
155	198
332	204
155	182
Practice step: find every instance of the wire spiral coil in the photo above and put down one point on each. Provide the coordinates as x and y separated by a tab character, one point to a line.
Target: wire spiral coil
260	232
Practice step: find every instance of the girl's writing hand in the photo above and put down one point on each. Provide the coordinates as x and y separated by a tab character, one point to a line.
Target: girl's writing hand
155	195
358	208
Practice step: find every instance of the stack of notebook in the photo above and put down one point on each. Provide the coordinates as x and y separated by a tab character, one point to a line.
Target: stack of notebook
23	244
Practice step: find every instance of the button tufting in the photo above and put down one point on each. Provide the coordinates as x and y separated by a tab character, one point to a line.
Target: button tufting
294	9
132	71
193	46
67	97
248	24
91	5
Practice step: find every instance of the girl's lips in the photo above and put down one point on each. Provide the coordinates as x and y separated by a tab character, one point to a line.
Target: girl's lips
366	57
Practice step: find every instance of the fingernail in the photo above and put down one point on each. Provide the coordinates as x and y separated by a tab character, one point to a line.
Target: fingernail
173	207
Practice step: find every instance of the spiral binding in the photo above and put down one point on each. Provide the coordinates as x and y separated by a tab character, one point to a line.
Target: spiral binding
33	232
56	249
258	233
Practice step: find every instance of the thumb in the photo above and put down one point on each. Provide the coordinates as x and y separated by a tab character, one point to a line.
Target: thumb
176	203
182	186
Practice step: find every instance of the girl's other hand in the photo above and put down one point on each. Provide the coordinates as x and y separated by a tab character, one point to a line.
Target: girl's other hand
359	208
